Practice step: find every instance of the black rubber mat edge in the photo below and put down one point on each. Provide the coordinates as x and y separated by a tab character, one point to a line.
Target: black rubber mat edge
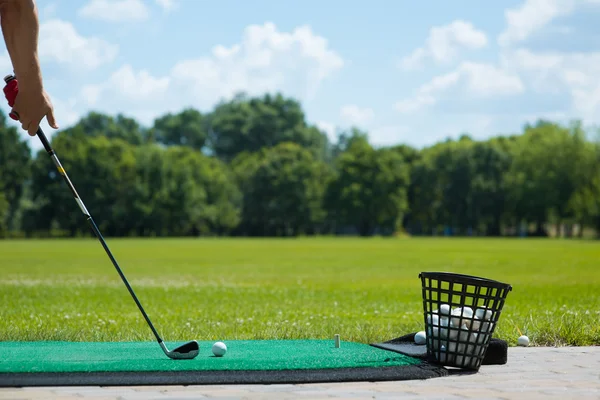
409	372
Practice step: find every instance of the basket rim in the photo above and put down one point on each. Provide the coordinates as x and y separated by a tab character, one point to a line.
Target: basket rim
466	279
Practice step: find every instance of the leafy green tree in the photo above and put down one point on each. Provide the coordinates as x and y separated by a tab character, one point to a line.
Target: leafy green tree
186	128
251	124
102	171
283	190
165	200
224	198
143	197
179	199
180	191
4	206
474	195
369	189
15	163
454	167
254	166
221	208
346	138
543	177
97	124
426	193
409	154
459	184
488	186
585	202
592	189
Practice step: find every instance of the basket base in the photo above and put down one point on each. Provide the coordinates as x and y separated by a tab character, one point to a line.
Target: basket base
496	354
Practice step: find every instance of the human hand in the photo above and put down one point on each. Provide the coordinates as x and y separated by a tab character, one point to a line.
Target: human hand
31	105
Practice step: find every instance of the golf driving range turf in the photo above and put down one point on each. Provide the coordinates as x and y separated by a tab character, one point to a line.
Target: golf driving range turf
366	290
247	361
241	356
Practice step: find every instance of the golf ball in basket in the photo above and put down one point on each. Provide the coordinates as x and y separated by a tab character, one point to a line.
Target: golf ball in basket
219	349
443	331
445	309
420	337
483	313
465	312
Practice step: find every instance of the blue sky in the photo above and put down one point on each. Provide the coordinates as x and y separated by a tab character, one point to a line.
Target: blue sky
405	71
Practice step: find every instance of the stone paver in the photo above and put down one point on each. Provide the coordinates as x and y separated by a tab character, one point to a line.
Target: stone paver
532	373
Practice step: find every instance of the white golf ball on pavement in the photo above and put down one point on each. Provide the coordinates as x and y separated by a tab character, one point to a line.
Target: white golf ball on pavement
219	349
420	337
523	341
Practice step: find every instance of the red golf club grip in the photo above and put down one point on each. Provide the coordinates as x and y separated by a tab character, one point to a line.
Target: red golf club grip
10	92
11	89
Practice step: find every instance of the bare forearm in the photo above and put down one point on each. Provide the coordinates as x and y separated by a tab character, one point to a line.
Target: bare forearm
20	27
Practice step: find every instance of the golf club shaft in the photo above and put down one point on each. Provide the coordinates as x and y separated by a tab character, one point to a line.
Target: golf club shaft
85	212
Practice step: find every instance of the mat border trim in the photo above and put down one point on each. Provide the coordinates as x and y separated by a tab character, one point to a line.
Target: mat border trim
133	378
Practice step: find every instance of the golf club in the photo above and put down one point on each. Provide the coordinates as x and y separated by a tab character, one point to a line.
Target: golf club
188	350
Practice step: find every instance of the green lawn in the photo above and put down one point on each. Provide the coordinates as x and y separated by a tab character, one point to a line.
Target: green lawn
223	289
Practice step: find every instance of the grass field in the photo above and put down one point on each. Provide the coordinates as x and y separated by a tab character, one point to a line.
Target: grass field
366	290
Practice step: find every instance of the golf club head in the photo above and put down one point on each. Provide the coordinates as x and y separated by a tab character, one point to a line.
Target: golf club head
186	351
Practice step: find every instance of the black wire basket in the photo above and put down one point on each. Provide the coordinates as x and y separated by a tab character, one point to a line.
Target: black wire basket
460	313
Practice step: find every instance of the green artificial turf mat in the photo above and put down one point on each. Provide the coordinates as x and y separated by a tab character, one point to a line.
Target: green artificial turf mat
273	360
147	356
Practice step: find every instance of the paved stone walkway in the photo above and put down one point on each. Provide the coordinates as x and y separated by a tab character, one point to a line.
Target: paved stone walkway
531	373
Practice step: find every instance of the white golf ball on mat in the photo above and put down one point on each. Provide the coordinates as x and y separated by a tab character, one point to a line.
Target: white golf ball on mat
219	349
420	337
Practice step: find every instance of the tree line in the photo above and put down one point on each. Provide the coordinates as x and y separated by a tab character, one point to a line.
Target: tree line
253	166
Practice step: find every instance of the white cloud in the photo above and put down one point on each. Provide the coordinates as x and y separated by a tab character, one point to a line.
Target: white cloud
441	82
60	42
553	72
586	101
414	104
425	95
475	79
445	42
115	10
65	111
265	60
485	80
166	5
354	115
554	76
48	11
135	87
573	74
91	93
533	15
